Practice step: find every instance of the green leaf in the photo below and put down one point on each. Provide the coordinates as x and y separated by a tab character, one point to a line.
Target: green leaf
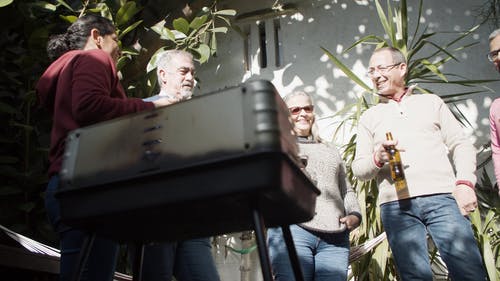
457	95
404	23
122	61
7	108
26	127
104	10
152	62
165	33
204	51
419	43
222	29
126	13
129	51
65	5
488	256
443	50
129	28
465	34
384	21
227	12
366	40
213	45
4	3
381	255
226	20
8	159
346	70
434	69
45	6
26	207
9	190
418	24
197	22
70	18
181	25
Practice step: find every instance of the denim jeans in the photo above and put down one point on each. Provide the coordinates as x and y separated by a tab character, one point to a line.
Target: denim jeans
188	260
102	258
407	223
322	256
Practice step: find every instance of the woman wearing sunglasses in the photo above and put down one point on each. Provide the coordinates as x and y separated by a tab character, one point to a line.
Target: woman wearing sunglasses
323	243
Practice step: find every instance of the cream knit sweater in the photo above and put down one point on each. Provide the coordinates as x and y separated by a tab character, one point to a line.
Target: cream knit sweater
428	133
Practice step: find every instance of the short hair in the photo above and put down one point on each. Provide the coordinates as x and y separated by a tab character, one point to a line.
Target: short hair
397	55
77	35
297	93
494	34
314	126
165	58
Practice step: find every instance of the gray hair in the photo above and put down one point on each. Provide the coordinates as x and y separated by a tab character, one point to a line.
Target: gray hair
397	56
314	127
494	34
165	58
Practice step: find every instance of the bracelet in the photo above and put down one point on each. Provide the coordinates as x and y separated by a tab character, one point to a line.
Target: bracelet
465	182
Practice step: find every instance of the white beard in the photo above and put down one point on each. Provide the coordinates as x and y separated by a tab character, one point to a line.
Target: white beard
185	94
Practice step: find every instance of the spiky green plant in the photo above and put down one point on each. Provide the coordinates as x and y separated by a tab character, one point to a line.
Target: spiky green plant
425	67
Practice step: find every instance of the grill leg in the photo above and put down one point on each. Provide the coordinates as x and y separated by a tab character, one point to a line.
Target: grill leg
292	253
137	267
83	256
262	245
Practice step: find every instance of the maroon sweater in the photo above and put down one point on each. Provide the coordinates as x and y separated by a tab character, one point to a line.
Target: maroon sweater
82	88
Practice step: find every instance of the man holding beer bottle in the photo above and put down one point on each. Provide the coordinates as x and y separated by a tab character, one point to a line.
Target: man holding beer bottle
437	195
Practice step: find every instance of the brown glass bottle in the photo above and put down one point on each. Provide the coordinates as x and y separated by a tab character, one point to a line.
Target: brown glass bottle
397	171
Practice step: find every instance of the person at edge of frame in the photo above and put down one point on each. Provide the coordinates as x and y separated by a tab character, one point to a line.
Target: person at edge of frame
493	57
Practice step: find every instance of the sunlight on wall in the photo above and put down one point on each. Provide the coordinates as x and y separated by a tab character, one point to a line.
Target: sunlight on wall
470	111
280	86
335	25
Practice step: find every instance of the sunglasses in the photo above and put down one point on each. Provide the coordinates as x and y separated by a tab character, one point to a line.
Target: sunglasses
297	109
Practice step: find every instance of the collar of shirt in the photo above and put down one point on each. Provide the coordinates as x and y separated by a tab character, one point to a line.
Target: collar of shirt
164	93
401	97
408	92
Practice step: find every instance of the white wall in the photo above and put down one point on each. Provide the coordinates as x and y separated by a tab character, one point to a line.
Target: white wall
335	25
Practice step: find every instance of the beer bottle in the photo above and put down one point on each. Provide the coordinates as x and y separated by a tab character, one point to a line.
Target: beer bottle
397	172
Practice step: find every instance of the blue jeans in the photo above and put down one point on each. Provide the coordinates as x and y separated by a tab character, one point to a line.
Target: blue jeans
188	260
102	258
407	223
322	256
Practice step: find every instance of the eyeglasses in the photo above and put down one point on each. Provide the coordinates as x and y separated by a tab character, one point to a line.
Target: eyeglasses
381	69
297	109
492	56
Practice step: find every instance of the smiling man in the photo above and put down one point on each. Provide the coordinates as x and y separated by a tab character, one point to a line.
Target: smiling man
439	195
